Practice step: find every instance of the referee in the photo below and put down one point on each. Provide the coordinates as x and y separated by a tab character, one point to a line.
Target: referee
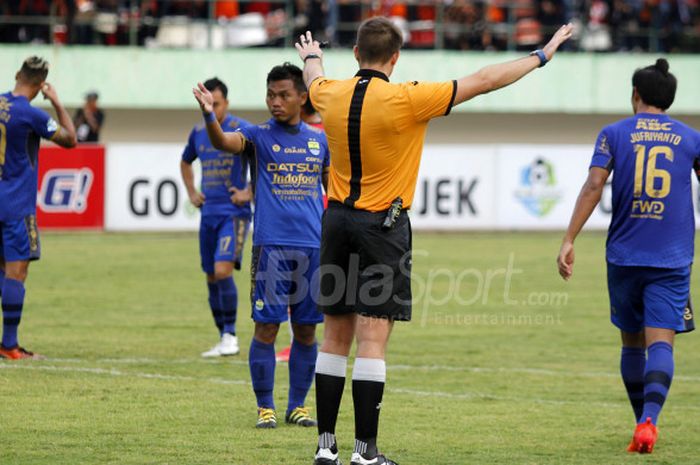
375	132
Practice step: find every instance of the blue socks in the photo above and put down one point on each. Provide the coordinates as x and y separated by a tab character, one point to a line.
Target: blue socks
632	363
302	366
657	379
2	280
228	299
261	360
215	306
12	302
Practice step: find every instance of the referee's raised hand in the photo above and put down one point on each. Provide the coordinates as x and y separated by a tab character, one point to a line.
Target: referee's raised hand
307	46
562	35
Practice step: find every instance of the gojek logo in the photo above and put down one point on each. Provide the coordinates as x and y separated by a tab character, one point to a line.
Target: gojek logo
538	190
65	190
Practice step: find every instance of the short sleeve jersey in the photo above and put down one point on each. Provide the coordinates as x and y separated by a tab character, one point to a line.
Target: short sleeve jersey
220	170
375	132
652	157
288	173
21	129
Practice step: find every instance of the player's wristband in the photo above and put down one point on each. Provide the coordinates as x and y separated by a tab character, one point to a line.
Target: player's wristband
540	54
311	56
209	117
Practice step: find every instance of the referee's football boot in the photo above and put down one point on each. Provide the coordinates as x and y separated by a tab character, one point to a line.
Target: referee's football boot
379	459
327	456
300	416
267	418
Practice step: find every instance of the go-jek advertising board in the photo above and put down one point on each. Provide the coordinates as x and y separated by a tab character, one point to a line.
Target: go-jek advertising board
145	191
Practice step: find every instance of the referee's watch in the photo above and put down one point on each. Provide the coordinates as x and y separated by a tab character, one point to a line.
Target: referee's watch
540	54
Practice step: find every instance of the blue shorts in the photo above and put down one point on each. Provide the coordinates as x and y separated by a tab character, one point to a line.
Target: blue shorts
221	239
650	297
19	240
285	277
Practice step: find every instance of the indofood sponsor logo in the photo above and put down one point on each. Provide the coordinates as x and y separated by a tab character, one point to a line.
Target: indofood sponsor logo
538	190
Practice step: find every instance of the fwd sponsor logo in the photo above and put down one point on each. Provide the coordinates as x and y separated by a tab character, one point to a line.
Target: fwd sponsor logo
66	190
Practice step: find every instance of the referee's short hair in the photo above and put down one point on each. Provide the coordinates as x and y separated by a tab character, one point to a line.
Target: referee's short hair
377	40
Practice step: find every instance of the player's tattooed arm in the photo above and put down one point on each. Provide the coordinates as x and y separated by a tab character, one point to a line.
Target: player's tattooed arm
233	142
196	197
65	134
588	199
312	56
494	77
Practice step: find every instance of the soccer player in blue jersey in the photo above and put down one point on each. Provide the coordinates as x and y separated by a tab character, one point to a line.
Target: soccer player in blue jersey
21	127
289	171
650	240
225	219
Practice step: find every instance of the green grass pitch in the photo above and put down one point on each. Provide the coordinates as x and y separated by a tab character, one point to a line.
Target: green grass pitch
504	363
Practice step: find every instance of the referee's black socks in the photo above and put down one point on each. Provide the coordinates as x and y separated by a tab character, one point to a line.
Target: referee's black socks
330	382
368	378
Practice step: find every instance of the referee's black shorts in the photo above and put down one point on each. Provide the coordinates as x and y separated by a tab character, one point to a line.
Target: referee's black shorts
365	269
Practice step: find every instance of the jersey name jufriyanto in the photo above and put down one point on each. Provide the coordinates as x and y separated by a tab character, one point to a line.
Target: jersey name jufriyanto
21	128
288	172
652	158
220	170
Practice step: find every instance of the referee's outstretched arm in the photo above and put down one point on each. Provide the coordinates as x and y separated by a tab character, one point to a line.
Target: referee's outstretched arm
485	80
494	77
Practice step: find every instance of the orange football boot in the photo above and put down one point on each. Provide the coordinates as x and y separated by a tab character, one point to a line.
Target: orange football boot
19	353
644	438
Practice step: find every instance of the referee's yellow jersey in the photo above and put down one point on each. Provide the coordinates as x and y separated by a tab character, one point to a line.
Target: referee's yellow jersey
375	132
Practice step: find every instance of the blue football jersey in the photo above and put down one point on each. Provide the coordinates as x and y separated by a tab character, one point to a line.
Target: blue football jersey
652	157
220	170
21	128
288	172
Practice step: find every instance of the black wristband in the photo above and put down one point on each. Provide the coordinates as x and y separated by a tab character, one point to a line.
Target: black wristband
311	55
540	54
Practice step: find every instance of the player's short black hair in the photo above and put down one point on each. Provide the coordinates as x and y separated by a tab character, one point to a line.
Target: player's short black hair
655	85
34	70
288	71
216	83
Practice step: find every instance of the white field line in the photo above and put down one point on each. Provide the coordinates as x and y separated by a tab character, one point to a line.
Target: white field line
412	392
444	368
115	372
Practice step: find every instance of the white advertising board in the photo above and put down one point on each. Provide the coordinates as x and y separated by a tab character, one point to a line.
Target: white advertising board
145	191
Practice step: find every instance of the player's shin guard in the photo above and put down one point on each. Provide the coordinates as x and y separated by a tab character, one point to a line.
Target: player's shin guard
12	303
657	379
215	306
302	363
330	382
368	378
228	297
261	360
633	361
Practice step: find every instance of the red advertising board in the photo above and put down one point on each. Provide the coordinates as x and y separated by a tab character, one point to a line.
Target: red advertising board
71	187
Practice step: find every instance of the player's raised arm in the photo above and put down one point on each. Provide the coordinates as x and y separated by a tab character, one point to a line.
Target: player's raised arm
494	77
65	134
233	142
587	200
312	56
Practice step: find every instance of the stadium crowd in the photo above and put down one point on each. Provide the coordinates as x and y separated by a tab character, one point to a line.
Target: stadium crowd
602	25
